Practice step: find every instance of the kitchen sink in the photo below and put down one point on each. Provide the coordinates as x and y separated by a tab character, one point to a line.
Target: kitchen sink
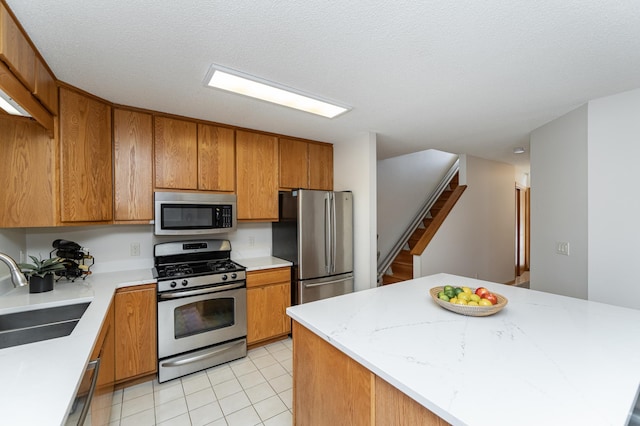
20	328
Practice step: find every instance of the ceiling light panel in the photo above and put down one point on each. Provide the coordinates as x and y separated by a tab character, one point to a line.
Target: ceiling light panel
244	84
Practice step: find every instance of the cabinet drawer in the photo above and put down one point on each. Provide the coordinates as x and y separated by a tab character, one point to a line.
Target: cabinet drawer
268	276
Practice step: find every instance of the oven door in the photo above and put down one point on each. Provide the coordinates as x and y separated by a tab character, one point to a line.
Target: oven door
193	319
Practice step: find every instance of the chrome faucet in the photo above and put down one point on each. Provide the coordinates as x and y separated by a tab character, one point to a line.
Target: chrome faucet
17	277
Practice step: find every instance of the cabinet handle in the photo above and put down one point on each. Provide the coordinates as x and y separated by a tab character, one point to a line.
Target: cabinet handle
93	365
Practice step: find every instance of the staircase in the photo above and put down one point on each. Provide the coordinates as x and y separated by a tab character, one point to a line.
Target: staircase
401	268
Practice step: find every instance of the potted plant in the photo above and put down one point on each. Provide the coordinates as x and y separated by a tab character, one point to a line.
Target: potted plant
40	273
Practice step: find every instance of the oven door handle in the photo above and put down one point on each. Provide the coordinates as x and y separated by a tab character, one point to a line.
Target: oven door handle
201	357
180	294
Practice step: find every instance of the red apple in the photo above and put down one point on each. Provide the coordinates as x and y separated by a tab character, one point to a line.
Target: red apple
491	298
482	292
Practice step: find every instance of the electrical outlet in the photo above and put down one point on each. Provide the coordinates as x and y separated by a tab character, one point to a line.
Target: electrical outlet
135	249
252	241
562	248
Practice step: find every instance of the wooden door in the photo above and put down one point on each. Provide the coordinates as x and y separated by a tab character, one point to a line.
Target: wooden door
294	159
216	158
135	310
27	174
133	156
16	51
321	166
86	188
257	176
176	153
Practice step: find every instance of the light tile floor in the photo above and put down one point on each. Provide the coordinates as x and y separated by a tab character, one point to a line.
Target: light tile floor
256	390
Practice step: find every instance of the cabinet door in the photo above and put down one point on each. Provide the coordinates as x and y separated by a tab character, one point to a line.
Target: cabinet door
132	156
321	166
86	186
135	310
27	167
103	394
268	297
266	316
294	159
176	153
257	176
16	51
216	158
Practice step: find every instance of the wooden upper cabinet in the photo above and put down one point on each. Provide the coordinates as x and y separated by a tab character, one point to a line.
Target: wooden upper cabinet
16	51
86	188
257	176
176	153
321	166
216	158
306	165
46	89
27	174
132	156
294	167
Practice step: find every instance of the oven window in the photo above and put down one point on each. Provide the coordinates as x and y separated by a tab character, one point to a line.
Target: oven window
203	316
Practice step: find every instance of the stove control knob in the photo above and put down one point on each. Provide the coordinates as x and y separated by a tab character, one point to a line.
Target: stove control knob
184	283
173	284
234	276
224	277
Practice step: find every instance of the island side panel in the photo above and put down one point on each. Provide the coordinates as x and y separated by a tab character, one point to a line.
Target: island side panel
329	388
396	408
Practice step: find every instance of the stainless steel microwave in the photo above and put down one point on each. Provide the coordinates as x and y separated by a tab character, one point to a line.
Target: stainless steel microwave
190	213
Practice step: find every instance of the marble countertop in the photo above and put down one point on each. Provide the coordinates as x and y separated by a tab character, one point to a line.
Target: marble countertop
543	360
38	381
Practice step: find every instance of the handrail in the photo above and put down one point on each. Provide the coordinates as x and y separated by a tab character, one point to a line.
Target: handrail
388	259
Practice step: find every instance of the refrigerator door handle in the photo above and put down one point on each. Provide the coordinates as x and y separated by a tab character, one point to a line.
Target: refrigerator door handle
325	283
327	234
334	235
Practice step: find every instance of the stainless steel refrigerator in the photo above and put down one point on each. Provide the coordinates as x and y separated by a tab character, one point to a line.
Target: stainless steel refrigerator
315	232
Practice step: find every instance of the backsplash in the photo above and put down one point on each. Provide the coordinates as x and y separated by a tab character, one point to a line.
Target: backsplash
111	245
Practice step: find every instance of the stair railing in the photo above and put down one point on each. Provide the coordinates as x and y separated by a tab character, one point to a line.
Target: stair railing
428	204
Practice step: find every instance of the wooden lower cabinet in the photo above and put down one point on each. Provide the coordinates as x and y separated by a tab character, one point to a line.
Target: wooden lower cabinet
104	349
268	297
135	325
330	388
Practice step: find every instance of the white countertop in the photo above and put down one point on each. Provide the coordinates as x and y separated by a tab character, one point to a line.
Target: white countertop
543	360
38	381
259	263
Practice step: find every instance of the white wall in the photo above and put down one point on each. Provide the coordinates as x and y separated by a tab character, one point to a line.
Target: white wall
559	205
403	185
354	164
477	239
614	205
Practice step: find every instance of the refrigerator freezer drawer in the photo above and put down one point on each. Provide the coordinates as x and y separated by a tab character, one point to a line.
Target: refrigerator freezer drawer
323	288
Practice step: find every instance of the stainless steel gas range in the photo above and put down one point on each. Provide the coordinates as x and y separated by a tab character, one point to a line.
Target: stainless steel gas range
202	306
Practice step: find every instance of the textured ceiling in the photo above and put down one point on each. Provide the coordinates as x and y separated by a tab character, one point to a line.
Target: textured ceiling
464	77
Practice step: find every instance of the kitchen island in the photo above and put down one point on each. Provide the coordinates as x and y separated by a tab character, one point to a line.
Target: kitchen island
543	360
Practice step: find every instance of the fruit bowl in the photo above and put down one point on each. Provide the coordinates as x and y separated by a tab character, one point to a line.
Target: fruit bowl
472	311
